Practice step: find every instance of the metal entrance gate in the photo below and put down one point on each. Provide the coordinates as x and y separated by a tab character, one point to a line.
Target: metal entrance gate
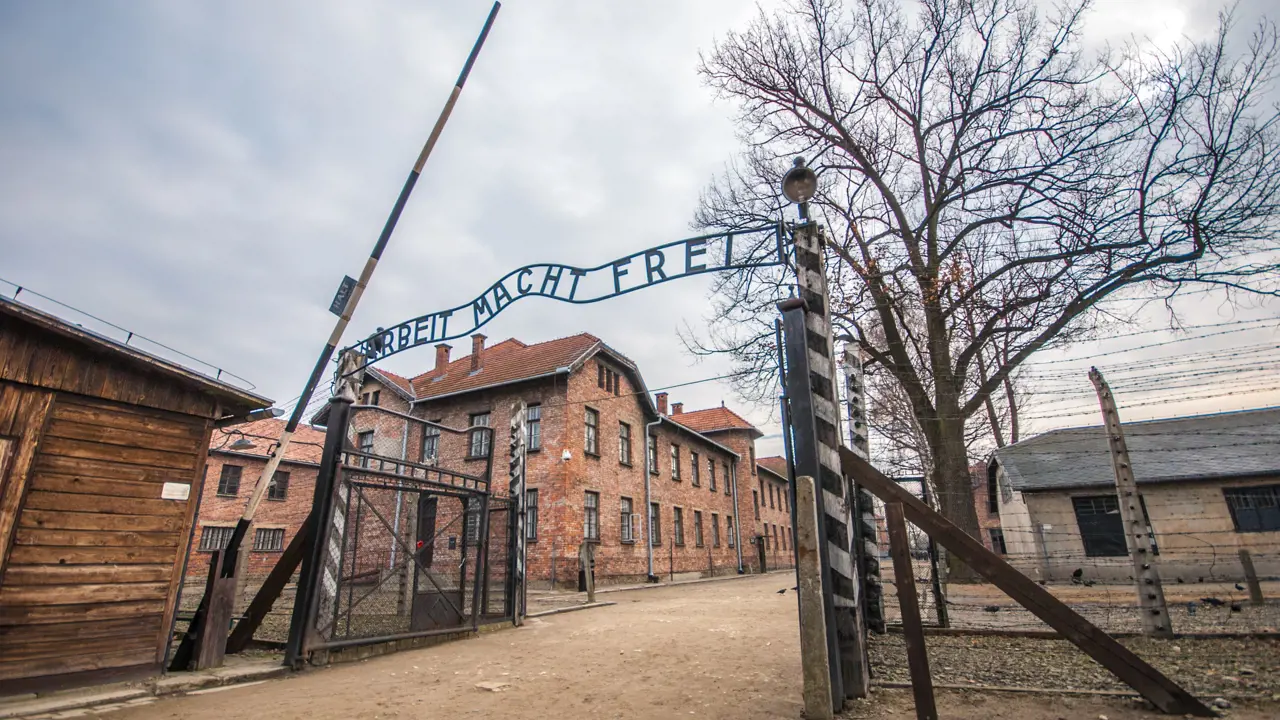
410	548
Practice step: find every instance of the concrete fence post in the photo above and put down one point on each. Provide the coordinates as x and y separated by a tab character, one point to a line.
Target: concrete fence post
813	620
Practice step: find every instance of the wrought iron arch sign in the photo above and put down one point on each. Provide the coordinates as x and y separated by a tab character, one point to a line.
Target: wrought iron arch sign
567	283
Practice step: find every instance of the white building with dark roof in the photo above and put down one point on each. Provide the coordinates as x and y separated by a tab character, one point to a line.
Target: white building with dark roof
1210	486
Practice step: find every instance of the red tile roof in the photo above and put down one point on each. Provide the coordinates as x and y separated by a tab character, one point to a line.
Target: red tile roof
508	361
403	383
714	420
774	464
306	445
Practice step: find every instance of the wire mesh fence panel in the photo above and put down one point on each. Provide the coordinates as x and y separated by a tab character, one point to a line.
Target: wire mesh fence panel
405	553
497	600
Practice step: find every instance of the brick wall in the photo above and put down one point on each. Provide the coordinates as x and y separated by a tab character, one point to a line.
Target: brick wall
224	511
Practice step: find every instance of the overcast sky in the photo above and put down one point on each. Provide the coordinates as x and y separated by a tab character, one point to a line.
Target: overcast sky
204	173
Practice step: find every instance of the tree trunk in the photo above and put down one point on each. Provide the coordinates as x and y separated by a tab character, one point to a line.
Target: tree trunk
954	487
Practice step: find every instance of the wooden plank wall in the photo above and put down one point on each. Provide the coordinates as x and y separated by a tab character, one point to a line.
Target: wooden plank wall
93	571
37	357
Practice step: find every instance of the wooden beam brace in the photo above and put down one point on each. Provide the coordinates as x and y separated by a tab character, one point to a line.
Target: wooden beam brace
271	588
912	629
1132	670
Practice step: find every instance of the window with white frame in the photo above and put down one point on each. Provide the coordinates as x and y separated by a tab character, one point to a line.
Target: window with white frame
533	423
628	532
591	442
478	445
591	515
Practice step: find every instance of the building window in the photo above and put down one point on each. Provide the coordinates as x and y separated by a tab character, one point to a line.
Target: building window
997	540
655	525
531	515
364	444
765	537
697	528
591	515
229	481
624	444
715	530
268	540
726	477
677	521
1101	528
653	455
775	536
755	499
786	503
729	535
771	490
214	537
600	371
279	487
675	462
993	499
430	444
1254	509
478	445
694	470
751	451
591	444
377	394
711	474
628	531
785	533
533	420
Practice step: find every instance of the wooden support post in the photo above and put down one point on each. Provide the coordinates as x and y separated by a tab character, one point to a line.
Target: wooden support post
1251	577
272	587
1133	515
813	622
912	629
211	643
1129	668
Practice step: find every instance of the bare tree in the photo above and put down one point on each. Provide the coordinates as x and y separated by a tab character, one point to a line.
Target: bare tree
986	183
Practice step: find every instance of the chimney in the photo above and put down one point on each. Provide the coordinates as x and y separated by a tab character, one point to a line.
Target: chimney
677	408
442	358
662	403
477	347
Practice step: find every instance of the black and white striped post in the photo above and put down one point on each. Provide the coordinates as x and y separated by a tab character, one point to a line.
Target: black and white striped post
815	429
519	508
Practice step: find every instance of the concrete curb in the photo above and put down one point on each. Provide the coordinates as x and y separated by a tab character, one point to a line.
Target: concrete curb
65	705
699	581
571	608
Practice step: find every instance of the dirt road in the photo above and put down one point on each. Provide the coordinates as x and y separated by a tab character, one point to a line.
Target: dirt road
712	650
719	650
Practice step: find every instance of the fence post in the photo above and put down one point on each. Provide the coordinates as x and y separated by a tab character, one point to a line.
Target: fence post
814	399
307	596
909	604
1251	577
1155	616
813	621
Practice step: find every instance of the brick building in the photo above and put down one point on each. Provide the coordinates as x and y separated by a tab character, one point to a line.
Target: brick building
771	509
589	416
237	456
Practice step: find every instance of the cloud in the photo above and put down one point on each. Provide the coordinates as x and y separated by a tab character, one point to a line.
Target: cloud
206	174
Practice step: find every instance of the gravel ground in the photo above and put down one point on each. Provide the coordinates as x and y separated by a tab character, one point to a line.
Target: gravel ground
1206	668
1111	607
